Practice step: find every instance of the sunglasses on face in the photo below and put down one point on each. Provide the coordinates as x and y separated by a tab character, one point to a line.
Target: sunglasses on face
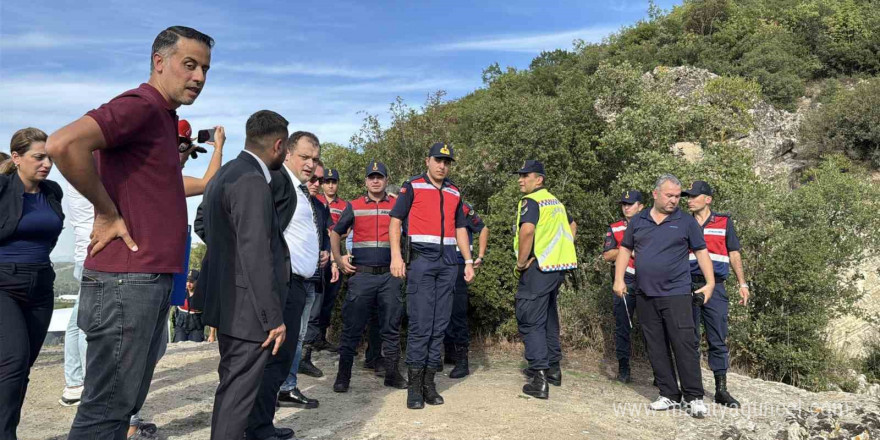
316	179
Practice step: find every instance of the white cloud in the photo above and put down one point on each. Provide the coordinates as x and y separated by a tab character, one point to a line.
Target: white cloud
533	43
42	40
308	69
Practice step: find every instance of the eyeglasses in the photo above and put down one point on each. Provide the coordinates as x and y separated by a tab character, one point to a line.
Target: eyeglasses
316	179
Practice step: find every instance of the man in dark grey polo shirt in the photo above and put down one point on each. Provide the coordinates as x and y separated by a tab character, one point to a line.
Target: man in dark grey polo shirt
661	238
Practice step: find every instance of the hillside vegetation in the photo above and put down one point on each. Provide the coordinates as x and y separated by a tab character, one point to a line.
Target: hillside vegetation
600	125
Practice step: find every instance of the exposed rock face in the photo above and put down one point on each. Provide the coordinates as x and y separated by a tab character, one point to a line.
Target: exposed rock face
689	151
773	139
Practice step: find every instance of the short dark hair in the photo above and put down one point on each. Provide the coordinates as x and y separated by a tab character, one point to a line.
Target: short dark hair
297	135
167	40
262	125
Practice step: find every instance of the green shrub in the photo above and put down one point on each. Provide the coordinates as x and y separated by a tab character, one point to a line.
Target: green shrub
871	363
850	123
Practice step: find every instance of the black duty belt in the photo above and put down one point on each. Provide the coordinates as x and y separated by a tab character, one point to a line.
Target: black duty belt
297	277
374	270
702	279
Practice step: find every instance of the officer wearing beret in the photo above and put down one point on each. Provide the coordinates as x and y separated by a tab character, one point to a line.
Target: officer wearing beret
544	246
372	287
724	251
624	306
431	206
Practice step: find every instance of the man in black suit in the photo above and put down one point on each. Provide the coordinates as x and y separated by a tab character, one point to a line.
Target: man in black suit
246	271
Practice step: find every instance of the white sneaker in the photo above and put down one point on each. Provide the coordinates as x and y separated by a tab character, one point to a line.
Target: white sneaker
663	404
696	408
71	396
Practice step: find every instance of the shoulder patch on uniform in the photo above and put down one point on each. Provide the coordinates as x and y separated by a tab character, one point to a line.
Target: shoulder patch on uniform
402	190
523	207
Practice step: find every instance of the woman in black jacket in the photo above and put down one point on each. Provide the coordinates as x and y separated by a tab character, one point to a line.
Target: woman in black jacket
30	223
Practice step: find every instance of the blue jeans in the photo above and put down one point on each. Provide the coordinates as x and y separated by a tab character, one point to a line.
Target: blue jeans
290	383
125	319
75	344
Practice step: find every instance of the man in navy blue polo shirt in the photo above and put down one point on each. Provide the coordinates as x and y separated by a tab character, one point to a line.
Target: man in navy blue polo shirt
662	238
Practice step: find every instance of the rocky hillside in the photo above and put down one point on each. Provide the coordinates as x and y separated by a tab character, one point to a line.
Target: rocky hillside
774	141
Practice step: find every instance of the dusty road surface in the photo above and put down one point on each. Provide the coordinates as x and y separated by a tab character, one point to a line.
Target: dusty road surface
488	404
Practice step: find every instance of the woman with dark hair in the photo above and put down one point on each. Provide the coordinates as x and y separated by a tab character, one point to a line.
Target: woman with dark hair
30	223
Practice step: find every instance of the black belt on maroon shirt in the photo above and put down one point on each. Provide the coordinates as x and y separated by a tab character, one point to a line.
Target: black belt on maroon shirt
373	270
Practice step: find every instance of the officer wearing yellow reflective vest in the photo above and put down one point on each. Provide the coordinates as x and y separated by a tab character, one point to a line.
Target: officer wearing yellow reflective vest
544	246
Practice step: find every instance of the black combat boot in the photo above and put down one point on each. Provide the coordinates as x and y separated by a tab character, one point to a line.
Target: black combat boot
449	354
393	378
538	386
306	366
380	366
623	374
429	388
343	377
554	375
414	398
722	397
461	363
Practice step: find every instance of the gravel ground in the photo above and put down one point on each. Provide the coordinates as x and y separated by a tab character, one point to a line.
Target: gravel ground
488	404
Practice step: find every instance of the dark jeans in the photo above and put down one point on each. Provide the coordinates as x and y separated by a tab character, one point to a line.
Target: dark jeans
124	316
26	302
188	327
314	330
457	333
668	321
366	293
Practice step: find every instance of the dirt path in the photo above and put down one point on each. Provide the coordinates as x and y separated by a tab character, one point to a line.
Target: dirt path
486	405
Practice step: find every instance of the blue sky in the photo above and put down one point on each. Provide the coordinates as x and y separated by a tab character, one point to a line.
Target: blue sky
320	64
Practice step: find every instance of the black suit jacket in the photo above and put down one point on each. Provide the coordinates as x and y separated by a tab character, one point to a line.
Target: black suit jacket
246	269
284	196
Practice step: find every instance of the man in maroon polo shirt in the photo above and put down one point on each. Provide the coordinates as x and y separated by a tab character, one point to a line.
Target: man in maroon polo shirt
123	158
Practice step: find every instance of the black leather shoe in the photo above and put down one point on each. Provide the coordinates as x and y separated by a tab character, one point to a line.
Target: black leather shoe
284	433
538	386
296	399
557	375
414	397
